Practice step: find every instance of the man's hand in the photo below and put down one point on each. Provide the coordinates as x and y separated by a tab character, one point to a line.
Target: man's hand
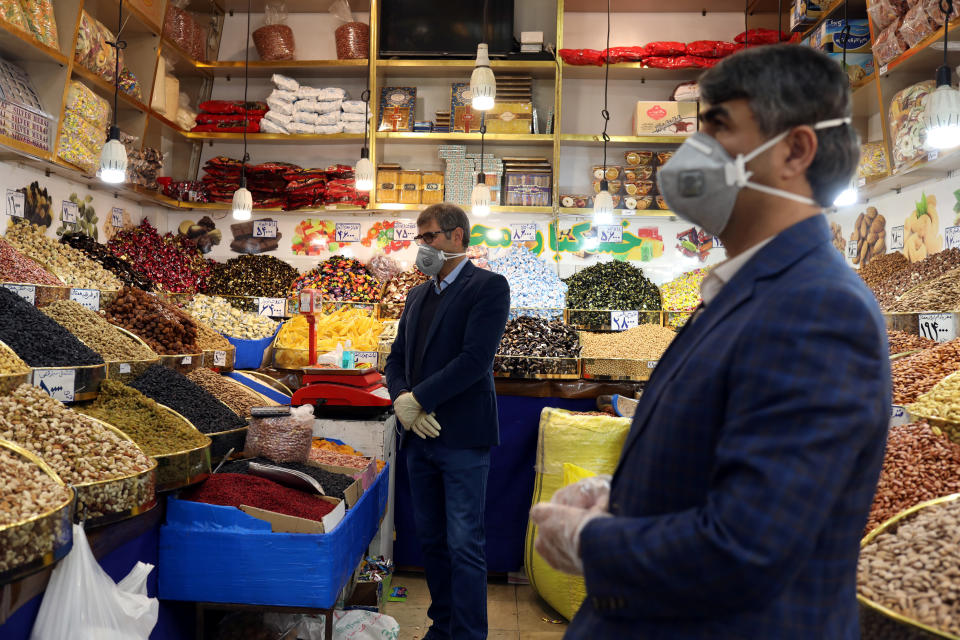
589	493
426	426
558	534
407	409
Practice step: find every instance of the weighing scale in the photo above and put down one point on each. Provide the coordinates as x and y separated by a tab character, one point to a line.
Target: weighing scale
335	392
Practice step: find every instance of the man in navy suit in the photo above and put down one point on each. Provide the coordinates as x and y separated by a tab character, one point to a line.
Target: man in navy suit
744	486
440	377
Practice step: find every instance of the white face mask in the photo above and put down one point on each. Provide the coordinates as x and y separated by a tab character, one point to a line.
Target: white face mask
701	181
430	261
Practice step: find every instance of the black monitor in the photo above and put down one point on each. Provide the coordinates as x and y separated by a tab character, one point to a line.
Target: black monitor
426	29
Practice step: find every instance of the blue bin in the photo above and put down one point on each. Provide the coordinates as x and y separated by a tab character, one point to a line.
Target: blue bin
250	352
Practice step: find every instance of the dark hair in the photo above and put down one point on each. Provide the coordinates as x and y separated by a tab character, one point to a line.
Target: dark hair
449	217
788	86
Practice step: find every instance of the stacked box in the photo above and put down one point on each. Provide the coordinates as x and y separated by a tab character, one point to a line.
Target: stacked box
409	185
461	173
25	124
397	106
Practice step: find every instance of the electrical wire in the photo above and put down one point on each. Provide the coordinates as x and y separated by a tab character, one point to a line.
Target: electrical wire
606	83
780	19
846	37
746	26
946	6
483	134
246	82
119	45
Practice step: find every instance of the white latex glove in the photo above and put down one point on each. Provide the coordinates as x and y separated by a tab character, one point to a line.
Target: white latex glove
589	493
426	426
407	409
558	534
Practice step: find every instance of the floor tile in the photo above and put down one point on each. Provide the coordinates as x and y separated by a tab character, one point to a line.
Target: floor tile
533	614
501	634
541	635
502	614
501	592
409	616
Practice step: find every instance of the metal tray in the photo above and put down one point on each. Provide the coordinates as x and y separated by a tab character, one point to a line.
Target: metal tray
184	362
183	468
210	359
617	369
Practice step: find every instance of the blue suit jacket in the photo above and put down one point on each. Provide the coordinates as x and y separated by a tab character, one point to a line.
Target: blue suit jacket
457	368
746	480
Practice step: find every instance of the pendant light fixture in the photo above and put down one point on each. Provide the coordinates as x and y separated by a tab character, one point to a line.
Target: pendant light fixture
480	198
242	198
943	104
603	201
113	157
483	86
851	194
363	173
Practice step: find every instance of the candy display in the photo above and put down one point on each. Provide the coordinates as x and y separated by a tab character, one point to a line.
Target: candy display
37	339
683	293
873	160
252	275
156	431
383	267
301	109
16	267
919	373
347	323
10	362
353	41
907	129
533	346
70	265
174	263
204	233
901	342
36	204
165	328
222	316
334	484
129	276
93	50
907	568
396	291
533	284
174	390
95	332
610	285
643	342
920	464
889	290
238	397
233	489
12	13
339	459
341	279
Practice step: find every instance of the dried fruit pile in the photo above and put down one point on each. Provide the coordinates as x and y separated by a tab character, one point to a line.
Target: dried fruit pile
174	263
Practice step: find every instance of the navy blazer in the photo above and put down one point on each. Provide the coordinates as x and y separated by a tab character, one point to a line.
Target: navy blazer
457	368
744	486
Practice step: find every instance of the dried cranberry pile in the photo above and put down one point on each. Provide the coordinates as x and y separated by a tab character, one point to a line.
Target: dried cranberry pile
281	184
174	263
233	490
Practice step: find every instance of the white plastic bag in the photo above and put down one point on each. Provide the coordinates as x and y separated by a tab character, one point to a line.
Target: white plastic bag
83	603
357	624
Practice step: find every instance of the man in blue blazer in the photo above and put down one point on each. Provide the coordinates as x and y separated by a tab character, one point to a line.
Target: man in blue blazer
744	486
440	377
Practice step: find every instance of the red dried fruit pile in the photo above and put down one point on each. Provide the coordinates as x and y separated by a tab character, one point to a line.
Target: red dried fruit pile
16	267
174	263
234	489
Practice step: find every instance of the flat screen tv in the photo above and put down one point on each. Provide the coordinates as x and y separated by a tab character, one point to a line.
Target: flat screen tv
453	28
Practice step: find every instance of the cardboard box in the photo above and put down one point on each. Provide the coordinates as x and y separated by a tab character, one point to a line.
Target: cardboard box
665	118
805	13
829	36
283	523
510	117
463	119
354	492
859	65
409	187
432	192
397	105
387	188
528	189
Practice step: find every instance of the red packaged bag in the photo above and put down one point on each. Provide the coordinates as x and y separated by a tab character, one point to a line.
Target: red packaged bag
582	57
889	44
664	49
705	48
624	54
233	106
916	25
674	62
762	36
885	12
704	63
728	49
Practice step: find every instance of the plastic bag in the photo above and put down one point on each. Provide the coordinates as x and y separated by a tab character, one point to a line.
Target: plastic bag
184	30
762	36
186	115
664	49
357	624
266	126
932	7
916	25
334	117
93	51
908	133
282	439
352	37
581	57
285	83
889	44
885	12
353	106
42	23
274	40
624	54
383	267
12	13
82	602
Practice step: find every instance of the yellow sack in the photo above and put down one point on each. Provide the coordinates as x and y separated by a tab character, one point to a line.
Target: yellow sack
570	447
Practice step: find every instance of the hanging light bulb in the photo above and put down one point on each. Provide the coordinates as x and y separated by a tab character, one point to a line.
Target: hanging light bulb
363	175
242	198
480	198
848	196
483	86
113	160
603	205
942	116
242	202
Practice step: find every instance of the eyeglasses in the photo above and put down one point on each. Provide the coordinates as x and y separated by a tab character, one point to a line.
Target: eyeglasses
429	236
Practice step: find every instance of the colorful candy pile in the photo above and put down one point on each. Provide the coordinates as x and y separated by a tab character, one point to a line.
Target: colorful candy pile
533	284
173	262
396	291
683	293
342	279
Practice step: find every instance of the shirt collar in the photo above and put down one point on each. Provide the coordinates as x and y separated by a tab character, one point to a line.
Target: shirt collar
724	272
439	286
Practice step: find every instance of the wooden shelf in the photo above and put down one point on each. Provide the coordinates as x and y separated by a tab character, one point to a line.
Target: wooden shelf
432	138
106	89
594	139
629	70
938	165
677	6
17	45
921	60
261	68
225	206
183	64
394	206
443	68
19	148
290	138
620	213
293	6
106	12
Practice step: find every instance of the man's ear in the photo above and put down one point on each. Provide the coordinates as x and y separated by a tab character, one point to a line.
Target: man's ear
802	144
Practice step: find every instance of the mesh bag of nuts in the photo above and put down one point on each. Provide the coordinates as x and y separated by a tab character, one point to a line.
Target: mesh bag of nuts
282	439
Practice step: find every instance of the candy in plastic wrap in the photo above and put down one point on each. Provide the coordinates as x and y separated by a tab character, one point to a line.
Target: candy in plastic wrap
76	153
383	267
91	107
873	160
916	25
886	12
83	131
93	50
907	128
40	19
12	13
889	44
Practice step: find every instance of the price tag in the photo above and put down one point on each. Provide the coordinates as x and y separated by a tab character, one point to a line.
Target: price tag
523	232
884	69
623	320
16	202
852	250
272	306
57	383
612	233
347	232
716	243
124	367
952	237
26	291
90	298
933	155
219	358
69	211
652	364
404	230
187	360
896	238
365	357
265	229
941	327
898	416
116	217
